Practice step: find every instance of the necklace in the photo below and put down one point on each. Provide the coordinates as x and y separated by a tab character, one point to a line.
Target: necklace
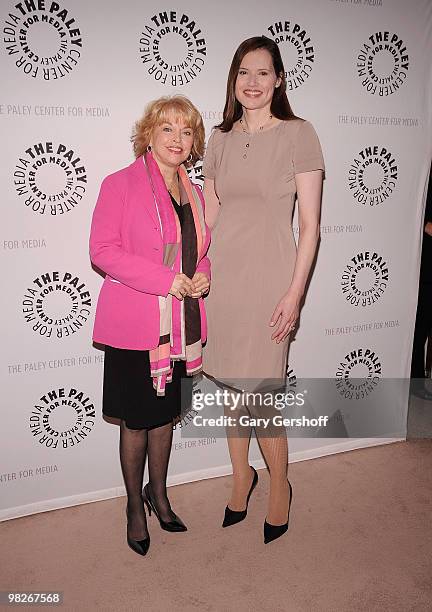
260	128
173	183
247	131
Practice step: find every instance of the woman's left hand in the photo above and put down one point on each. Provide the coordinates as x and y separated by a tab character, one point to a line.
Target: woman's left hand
285	316
201	284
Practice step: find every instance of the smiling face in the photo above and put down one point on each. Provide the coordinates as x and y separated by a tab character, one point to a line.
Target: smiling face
256	80
171	142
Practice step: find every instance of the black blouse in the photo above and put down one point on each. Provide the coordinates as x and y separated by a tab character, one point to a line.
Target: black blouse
178	208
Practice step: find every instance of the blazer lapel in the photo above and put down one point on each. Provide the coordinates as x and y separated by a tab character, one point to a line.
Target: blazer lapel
144	188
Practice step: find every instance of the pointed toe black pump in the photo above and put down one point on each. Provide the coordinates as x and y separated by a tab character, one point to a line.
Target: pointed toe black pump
176	525
273	532
232	517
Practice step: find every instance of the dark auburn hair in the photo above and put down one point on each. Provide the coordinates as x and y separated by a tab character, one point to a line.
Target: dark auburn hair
280	107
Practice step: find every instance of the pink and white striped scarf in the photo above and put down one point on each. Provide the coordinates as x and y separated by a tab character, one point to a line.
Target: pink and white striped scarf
180	322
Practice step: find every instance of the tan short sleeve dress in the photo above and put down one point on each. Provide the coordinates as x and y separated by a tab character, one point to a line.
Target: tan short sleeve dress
253	249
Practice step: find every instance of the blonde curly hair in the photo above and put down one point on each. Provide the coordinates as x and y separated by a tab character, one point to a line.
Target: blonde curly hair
158	112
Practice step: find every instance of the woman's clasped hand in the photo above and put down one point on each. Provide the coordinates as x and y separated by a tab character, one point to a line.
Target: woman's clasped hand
194	287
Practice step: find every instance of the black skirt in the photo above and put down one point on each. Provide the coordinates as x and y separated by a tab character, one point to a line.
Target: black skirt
128	392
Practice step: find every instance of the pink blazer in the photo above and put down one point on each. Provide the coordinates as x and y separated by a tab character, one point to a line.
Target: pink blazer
126	244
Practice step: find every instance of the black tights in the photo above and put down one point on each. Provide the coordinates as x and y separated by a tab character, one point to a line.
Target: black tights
134	445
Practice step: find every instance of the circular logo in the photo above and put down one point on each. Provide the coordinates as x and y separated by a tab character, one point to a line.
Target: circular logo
357	375
43	39
297	50
172	48
50	178
62	418
364	278
195	173
56	305
382	63
372	175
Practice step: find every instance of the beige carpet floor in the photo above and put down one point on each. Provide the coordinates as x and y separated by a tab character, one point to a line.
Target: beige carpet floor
360	538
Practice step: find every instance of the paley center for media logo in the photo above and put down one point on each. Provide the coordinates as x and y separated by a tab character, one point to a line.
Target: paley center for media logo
382	63
297	50
62	418
50	178
56	304
358	373
173	48
373	175
42	38
365	278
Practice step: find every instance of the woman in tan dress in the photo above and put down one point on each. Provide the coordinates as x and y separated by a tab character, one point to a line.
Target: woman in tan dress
257	160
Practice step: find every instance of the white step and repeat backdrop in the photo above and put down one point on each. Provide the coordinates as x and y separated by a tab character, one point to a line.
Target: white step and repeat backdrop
75	77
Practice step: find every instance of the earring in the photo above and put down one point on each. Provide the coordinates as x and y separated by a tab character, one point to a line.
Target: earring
148	148
189	159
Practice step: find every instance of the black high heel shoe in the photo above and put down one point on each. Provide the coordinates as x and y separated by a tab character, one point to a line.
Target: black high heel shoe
272	532
236	516
175	525
139	546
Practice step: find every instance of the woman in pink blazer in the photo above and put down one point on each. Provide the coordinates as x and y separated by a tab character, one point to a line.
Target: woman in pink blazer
149	237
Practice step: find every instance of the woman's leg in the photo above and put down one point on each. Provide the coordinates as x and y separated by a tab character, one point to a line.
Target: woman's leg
238	438
133	447
273	443
242	472
275	452
159	450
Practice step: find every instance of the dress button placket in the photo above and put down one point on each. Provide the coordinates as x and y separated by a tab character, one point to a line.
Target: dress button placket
245	154
260	129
